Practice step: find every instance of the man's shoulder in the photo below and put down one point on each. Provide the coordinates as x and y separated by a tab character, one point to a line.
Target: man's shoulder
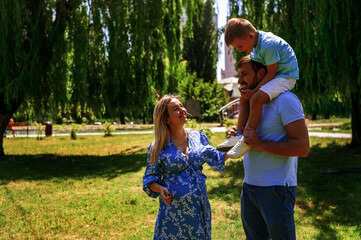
286	100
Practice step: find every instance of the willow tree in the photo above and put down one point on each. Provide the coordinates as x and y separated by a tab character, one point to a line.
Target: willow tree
81	56
172	32
200	39
326	38
142	35
32	56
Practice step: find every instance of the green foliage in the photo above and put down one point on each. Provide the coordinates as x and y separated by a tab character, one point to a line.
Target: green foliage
191	123
194	125
326	38
345	126
40	128
108	129
229	123
210	95
74	128
201	41
208	132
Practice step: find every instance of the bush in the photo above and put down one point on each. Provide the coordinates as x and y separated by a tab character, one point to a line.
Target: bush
108	129
208	132
73	131
40	131
210	94
346	126
229	123
191	123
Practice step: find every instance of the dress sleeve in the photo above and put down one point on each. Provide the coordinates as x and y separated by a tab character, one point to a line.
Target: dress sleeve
152	174
214	158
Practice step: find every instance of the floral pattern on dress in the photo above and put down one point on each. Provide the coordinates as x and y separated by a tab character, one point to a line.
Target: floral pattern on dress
188	216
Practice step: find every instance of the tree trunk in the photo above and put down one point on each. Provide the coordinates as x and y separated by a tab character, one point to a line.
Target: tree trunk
6	113
4	120
356	118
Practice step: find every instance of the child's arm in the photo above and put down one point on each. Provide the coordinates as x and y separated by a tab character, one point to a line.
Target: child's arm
271	73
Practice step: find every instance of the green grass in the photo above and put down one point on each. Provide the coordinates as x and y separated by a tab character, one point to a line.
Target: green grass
331	120
91	188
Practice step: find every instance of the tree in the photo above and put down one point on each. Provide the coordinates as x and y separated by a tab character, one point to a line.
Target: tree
200	41
83	56
326	38
33	51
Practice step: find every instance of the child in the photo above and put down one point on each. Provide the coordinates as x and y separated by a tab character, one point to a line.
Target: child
282	72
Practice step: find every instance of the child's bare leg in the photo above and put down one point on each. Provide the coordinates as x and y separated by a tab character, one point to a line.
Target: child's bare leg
240	148
255	114
257	101
243	115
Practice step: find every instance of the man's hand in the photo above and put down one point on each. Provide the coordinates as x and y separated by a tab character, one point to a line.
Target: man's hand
251	137
247	94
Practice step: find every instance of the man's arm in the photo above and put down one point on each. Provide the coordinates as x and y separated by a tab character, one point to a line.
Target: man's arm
297	145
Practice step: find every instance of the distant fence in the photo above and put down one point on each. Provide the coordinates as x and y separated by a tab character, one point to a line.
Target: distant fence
229	110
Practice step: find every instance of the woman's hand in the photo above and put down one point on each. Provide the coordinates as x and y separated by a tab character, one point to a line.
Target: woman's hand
165	195
233	131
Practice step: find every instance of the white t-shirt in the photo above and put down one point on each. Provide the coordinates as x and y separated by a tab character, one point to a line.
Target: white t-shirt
265	169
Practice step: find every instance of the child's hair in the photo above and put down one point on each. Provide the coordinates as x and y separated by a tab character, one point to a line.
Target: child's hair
237	28
161	129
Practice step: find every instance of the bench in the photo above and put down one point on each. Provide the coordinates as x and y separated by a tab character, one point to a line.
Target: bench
18	126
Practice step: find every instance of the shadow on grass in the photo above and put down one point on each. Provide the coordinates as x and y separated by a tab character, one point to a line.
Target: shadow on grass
330	200
38	167
229	191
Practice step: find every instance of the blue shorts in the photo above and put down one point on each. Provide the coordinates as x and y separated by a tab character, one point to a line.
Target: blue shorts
267	212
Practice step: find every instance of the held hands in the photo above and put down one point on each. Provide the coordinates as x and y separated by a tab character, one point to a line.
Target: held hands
165	195
250	136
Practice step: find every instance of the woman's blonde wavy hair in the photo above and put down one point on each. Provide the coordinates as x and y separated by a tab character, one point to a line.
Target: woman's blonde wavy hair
161	129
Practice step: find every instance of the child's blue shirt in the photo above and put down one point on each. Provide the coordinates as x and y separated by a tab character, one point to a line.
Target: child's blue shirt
271	49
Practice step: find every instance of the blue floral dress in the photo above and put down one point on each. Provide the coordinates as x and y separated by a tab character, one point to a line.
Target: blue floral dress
188	216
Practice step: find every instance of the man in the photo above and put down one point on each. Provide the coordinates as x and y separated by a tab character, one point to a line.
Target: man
269	188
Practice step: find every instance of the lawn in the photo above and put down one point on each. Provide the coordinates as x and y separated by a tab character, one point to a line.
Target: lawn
91	188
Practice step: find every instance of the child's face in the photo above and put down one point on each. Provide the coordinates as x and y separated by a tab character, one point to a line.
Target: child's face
244	44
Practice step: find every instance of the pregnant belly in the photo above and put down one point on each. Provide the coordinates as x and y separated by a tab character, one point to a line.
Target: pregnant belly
185	191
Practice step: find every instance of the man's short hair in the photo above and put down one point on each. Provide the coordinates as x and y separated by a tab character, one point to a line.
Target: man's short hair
237	28
256	66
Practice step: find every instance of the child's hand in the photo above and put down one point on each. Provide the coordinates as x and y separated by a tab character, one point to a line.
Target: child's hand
247	94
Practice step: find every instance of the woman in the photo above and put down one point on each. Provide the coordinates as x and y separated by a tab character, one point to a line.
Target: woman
174	171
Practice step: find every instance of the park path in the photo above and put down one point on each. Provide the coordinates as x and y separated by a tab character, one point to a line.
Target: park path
213	129
311	134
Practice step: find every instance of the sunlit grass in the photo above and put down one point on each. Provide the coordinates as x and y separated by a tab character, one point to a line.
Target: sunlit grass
91	188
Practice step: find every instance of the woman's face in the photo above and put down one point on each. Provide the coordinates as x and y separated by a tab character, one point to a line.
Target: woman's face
177	113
